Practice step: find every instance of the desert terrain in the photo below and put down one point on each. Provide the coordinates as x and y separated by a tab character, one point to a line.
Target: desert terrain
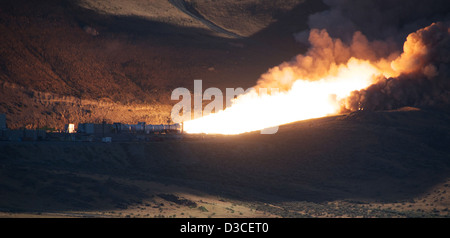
77	61
364	164
88	61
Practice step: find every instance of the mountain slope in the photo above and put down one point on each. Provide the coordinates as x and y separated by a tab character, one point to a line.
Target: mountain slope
130	54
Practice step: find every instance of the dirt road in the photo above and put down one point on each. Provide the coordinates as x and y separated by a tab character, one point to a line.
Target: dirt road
184	7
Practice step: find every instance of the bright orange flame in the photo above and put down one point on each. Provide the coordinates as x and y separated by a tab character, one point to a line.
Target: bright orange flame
305	99
317	84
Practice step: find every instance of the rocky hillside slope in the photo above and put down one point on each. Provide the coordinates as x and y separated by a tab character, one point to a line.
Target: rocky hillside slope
132	54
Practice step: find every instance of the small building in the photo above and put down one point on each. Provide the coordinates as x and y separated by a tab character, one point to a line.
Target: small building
2	121
87	128
96	129
69	128
90	128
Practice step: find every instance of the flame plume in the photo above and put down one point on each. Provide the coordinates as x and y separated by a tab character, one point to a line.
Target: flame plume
323	82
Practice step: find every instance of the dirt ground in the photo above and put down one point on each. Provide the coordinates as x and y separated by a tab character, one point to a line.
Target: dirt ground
364	164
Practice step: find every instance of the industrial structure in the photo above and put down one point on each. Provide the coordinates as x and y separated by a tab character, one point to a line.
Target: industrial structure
141	127
117	132
92	132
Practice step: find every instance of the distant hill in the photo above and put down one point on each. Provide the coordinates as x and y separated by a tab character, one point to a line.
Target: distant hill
132	54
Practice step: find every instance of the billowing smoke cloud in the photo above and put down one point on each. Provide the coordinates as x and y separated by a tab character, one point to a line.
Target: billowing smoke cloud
325	56
415	72
424	78
355	61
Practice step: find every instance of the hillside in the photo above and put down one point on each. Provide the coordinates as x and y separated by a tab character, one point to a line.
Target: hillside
133	54
380	164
